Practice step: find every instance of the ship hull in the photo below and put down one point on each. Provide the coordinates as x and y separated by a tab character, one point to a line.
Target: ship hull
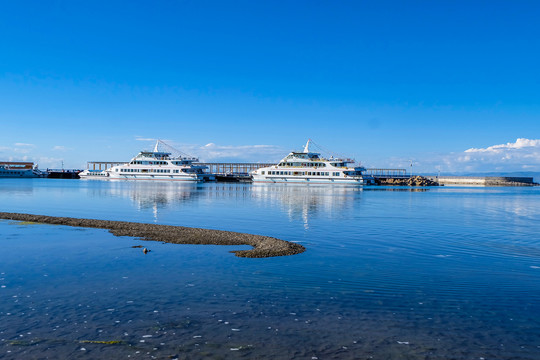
293	180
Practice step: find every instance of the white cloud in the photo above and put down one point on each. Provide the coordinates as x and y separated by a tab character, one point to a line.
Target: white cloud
19	148
520	143
521	155
241	153
27	152
59	148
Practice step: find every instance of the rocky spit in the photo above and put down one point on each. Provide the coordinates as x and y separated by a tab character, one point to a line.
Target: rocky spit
263	246
412	181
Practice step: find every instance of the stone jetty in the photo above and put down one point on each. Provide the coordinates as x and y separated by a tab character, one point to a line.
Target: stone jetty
412	181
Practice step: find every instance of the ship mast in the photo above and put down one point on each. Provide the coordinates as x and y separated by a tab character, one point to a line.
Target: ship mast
306	148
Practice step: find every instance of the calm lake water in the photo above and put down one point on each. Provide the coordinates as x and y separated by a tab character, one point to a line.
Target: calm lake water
389	273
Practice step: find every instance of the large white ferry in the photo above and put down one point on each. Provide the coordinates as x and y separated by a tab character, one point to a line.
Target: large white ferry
310	168
154	165
20	170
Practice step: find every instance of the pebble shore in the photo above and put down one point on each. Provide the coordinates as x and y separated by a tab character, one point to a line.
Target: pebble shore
263	246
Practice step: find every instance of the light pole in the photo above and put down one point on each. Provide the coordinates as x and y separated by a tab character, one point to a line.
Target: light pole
411	167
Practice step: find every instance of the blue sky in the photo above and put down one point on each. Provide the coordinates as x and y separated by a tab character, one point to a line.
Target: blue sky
451	85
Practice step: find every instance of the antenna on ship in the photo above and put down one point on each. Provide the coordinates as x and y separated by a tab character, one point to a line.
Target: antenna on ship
161	145
329	152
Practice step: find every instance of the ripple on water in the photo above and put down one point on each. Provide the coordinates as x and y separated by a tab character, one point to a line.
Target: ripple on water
446	273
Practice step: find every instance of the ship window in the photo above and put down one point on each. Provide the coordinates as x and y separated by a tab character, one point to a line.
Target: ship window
262	172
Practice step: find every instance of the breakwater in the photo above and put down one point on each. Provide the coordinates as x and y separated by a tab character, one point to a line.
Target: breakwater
400	181
263	246
483	180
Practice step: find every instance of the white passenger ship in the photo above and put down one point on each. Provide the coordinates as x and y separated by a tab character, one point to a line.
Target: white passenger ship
310	168
154	165
20	170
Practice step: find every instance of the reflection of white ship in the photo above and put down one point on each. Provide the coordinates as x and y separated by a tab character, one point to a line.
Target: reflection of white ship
20	170
155	165
305	202
150	195
309	168
155	194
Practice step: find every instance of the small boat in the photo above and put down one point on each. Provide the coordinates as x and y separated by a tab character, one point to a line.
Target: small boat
20	170
155	165
309	167
93	174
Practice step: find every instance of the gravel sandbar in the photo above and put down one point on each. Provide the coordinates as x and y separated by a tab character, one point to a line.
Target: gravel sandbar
263	246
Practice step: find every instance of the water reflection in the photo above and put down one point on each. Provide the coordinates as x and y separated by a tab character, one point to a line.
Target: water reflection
24	187
300	203
504	201
147	195
303	202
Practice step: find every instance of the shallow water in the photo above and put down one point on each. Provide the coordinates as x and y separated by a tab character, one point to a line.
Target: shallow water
389	273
